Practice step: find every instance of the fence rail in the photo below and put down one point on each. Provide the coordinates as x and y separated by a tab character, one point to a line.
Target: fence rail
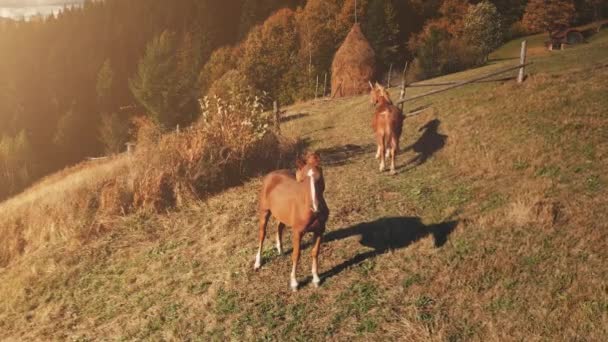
462	83
456	84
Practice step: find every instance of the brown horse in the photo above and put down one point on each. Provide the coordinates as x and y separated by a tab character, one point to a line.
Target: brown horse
387	124
296	202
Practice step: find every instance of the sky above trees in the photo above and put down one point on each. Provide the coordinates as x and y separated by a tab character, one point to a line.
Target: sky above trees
17	9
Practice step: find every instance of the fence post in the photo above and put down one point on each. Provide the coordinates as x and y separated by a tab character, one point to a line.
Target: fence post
317	87
130	147
390	71
177	129
325	86
522	61
403	85
277	116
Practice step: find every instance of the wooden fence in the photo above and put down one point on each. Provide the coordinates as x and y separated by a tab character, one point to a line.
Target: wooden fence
457	84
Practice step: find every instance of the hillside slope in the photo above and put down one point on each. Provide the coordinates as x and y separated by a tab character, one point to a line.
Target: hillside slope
495	228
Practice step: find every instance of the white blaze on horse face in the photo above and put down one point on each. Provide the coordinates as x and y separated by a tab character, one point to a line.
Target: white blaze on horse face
313	192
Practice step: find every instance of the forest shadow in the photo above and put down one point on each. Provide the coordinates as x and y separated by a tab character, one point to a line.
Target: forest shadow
293	117
342	154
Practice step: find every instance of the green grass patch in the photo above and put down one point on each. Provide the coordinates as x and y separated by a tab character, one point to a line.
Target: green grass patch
226	302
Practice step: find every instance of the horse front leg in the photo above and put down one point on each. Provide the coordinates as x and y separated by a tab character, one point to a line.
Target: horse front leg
264	217
280	229
315	259
295	257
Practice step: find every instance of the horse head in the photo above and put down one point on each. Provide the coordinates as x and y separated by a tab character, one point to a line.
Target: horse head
309	170
374	94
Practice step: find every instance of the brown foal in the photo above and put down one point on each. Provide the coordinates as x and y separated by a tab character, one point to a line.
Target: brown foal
387	124
296	202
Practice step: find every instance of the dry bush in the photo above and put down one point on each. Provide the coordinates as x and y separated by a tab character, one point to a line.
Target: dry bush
353	66
231	141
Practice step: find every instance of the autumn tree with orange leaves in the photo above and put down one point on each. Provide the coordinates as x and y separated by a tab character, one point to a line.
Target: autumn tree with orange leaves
548	15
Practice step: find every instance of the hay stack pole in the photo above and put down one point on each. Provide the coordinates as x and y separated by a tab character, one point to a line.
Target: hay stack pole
353	66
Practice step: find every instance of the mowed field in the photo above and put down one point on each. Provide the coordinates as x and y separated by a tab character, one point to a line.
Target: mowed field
494	229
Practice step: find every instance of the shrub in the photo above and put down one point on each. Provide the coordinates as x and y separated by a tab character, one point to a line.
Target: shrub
440	54
516	30
231	140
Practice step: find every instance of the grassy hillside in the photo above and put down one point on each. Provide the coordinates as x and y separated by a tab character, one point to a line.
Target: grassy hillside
495	228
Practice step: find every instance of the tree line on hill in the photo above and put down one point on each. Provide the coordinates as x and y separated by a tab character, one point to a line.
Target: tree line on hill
70	84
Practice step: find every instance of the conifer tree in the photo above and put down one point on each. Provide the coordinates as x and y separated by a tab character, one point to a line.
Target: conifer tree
154	85
382	30
105	82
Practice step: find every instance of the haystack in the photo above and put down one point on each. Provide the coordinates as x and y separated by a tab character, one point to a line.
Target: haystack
353	66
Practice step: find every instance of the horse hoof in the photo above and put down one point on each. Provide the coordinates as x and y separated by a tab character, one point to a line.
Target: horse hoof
294	286
393	172
316	282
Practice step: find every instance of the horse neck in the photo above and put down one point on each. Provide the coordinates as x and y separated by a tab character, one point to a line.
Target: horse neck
383	101
386	99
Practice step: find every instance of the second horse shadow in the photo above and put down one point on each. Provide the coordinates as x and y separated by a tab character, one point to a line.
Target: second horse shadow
385	234
429	143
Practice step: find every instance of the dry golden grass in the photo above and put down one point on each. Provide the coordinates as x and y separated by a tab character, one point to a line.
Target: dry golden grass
166	171
498	234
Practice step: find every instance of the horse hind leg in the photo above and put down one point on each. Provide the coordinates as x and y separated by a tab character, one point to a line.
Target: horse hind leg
394	147
381	149
315	259
280	229
264	217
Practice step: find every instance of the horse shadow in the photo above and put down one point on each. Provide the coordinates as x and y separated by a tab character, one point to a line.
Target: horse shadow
341	155
386	234
430	142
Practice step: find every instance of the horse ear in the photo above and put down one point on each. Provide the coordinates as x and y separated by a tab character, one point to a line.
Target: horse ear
300	162
371	85
313	159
